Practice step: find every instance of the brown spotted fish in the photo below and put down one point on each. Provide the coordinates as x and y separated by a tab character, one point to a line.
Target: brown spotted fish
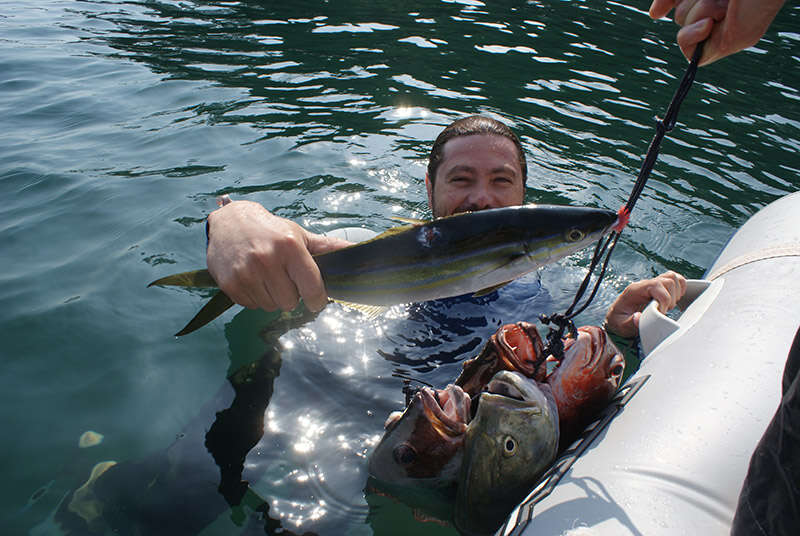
422	446
585	380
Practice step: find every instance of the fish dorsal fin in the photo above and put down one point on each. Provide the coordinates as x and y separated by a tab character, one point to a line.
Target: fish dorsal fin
410	224
409	221
388	232
489	290
370	311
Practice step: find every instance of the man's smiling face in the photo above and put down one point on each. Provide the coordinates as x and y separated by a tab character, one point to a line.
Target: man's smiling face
477	172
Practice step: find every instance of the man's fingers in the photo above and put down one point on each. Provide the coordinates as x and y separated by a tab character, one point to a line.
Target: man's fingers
319	244
260	298
681	287
635	318
243	296
662	296
667	289
276	282
308	279
675	285
250	292
263	297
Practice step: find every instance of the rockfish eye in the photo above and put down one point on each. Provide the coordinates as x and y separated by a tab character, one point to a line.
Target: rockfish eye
404	454
574	235
509	446
617	370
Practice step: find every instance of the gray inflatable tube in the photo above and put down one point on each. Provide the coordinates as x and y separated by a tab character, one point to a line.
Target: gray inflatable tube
670	456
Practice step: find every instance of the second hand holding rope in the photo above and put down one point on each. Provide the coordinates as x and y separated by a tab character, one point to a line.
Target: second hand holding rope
605	246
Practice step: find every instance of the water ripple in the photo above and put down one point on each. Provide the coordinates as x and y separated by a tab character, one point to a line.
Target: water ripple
325	114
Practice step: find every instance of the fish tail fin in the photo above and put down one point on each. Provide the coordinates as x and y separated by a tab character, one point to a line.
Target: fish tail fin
195	278
217	305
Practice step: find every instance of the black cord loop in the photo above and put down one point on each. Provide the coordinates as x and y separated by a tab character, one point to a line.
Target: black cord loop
605	246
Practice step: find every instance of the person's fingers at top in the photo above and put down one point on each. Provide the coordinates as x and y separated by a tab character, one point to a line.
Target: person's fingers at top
690	11
660	8
682	9
690	36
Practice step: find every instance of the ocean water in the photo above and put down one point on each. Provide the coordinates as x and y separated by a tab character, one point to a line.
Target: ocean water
122	123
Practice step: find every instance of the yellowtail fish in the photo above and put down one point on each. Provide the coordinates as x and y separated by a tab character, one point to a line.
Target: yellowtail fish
472	252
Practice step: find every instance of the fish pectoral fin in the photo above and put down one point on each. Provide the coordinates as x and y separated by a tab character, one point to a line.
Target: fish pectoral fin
370	311
195	278
489	290
217	305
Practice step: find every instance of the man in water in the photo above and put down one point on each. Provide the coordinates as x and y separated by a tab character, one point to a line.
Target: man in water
263	261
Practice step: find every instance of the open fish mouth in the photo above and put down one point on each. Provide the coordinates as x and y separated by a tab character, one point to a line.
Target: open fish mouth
596	349
447	409
521	348
506	389
513	388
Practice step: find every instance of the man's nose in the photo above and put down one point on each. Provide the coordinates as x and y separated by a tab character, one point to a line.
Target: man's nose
481	198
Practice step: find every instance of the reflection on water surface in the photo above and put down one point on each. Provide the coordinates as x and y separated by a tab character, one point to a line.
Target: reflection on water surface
124	120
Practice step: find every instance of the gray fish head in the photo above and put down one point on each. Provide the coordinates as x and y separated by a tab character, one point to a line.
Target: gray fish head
423	445
584	225
509	443
557	231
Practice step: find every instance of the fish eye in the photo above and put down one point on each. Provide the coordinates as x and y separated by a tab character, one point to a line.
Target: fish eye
509	446
574	235
404	454
617	370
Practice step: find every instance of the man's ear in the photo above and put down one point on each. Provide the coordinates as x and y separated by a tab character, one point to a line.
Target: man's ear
429	188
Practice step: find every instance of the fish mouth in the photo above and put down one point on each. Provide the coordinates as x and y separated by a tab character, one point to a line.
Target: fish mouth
447	409
590	343
522	349
597	350
513	388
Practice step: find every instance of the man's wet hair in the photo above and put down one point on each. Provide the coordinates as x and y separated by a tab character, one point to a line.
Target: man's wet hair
468	126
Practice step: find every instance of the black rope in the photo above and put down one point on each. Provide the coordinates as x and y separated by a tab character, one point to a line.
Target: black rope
605	246
408	390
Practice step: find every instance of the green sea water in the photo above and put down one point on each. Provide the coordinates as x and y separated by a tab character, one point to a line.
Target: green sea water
123	121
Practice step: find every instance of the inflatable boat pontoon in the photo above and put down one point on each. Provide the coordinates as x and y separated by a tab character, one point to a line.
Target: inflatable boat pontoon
670	455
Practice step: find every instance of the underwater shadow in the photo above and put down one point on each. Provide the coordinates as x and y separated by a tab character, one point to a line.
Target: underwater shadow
187	486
